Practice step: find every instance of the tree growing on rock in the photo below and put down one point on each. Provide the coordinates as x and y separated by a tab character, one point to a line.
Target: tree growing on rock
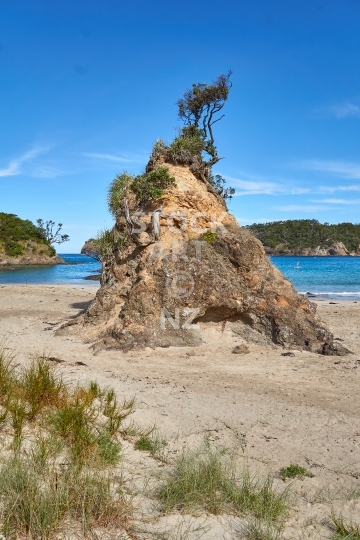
198	109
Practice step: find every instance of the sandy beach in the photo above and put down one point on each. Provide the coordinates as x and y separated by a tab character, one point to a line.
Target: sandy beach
280	409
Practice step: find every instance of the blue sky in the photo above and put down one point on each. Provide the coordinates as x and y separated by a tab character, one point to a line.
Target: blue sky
88	86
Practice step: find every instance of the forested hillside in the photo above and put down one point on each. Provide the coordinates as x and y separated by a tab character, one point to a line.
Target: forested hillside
17	234
306	233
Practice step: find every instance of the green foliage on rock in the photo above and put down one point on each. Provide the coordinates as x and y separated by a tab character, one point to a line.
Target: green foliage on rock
306	233
187	146
107	241
117	189
151	185
15	232
209	237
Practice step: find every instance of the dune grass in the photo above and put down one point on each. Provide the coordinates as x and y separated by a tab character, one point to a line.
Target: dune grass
257	529
344	530
205	479
154	443
57	471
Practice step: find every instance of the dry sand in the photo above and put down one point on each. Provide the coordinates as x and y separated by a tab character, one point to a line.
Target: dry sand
278	409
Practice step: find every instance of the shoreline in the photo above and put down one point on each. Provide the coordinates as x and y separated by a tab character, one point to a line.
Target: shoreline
87	283
94	284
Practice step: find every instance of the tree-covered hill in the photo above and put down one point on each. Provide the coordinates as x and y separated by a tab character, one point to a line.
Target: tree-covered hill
306	233
17	235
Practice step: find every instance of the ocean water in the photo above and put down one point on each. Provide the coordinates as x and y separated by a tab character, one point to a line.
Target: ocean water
325	277
77	267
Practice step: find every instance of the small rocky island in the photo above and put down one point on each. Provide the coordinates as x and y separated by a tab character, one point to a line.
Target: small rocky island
22	243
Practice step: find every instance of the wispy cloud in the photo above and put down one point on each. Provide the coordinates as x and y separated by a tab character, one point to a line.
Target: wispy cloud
300	208
340	110
337	201
347	169
14	166
112	157
333	189
262	187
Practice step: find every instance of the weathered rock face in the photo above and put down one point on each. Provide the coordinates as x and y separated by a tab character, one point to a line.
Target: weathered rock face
338	248
163	293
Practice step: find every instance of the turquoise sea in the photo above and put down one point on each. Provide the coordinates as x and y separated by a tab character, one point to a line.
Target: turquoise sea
77	267
325	277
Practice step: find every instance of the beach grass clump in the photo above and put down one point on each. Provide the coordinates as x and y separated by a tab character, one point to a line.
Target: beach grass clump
58	471
257	529
294	471
205	479
41	386
344	529
38	500
154	443
88	421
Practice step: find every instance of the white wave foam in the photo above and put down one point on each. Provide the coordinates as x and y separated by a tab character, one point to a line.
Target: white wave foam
355	293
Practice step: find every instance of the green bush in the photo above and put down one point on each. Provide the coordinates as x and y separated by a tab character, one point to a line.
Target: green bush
159	148
188	146
151	185
294	471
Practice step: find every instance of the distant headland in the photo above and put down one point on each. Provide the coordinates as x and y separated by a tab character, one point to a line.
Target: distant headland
23	243
308	237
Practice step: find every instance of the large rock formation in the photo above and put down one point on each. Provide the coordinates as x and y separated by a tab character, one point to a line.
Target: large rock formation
203	268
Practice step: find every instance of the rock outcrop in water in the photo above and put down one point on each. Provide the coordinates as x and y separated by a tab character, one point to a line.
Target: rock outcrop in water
200	268
90	249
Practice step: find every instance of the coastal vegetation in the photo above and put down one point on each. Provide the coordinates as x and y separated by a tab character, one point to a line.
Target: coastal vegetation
194	146
306	233
60	445
15	233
